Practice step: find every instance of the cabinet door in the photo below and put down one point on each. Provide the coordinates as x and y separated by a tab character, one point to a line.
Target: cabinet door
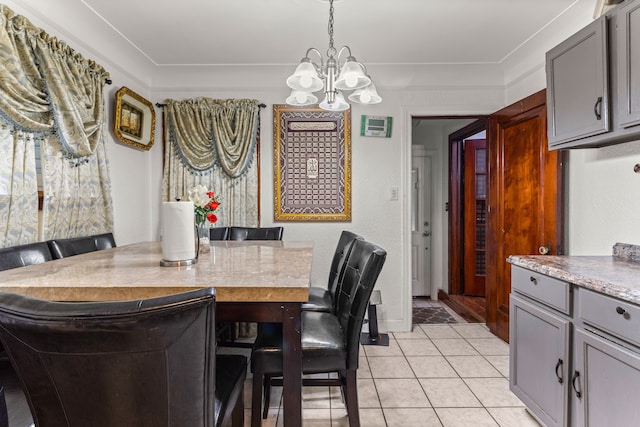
577	85
605	382
539	358
629	64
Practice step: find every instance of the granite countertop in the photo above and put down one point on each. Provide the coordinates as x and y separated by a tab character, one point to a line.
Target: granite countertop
617	275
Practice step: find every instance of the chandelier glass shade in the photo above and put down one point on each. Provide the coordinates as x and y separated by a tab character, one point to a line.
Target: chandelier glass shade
332	77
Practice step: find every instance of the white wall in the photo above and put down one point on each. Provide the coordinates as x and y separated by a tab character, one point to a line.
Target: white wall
596	178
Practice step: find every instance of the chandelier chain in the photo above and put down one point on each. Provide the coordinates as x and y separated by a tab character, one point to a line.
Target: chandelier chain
332	50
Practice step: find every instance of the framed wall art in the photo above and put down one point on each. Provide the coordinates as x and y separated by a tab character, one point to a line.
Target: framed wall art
312	164
135	119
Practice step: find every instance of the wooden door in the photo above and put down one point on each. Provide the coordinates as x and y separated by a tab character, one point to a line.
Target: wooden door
421	183
475	214
525	198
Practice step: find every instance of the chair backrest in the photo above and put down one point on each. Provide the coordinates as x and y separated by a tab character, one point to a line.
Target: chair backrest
219	233
62	248
19	256
256	233
360	275
339	259
130	363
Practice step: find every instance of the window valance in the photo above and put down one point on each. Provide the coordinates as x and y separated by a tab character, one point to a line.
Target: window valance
207	132
45	86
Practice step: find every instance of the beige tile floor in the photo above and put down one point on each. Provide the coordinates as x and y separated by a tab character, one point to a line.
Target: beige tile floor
449	375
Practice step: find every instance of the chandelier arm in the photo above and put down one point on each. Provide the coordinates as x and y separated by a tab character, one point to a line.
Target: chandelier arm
319	68
313	49
339	55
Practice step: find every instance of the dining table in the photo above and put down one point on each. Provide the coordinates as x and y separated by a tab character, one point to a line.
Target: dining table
255	281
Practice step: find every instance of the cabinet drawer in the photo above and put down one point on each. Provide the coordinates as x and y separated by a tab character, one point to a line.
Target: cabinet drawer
552	292
611	315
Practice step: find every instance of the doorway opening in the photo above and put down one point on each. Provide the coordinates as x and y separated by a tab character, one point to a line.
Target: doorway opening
430	201
468	221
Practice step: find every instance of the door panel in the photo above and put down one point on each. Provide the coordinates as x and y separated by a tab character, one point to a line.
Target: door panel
475	208
525	198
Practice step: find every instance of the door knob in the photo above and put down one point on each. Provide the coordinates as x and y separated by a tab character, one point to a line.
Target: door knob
545	250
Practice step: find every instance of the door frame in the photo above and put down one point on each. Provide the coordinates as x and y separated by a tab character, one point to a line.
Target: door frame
456	202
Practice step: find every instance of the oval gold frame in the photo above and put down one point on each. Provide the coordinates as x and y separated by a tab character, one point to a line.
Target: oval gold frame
135	119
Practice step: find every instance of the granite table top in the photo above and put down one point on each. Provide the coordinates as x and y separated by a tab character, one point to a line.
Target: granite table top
249	271
617	275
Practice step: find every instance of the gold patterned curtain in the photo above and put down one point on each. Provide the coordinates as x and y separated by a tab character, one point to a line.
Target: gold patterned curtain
214	143
48	89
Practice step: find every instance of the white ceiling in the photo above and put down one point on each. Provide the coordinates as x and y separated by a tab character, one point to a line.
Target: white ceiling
219	32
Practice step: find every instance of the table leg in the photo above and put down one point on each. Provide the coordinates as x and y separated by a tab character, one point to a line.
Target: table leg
292	360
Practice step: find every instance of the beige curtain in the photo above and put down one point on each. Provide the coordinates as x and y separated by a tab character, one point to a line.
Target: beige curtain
213	143
18	187
77	197
47	88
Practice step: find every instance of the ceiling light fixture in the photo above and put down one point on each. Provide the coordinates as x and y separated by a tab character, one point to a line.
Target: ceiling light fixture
334	77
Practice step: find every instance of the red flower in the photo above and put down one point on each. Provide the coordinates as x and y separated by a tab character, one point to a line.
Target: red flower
214	205
212	218
210	194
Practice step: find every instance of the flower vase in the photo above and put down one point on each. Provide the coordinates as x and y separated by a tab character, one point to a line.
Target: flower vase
203	235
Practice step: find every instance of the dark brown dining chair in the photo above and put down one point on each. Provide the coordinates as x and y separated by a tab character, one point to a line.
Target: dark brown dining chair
321	298
148	363
4	414
219	233
63	248
23	255
330	341
256	233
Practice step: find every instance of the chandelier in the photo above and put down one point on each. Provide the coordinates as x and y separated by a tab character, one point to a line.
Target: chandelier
333	77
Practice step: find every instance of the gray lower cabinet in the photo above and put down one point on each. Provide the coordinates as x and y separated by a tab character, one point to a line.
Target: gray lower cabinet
605	382
574	353
539	359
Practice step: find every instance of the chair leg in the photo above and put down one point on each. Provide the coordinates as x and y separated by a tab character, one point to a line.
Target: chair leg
351	396
266	384
256	400
237	416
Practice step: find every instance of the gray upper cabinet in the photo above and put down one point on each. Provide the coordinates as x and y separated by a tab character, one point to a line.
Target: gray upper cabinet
578	86
629	64
581	110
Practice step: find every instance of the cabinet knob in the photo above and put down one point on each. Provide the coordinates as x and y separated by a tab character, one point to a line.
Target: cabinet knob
533	280
621	311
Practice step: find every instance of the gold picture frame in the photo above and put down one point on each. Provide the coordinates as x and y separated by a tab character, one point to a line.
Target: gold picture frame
135	119
311	164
